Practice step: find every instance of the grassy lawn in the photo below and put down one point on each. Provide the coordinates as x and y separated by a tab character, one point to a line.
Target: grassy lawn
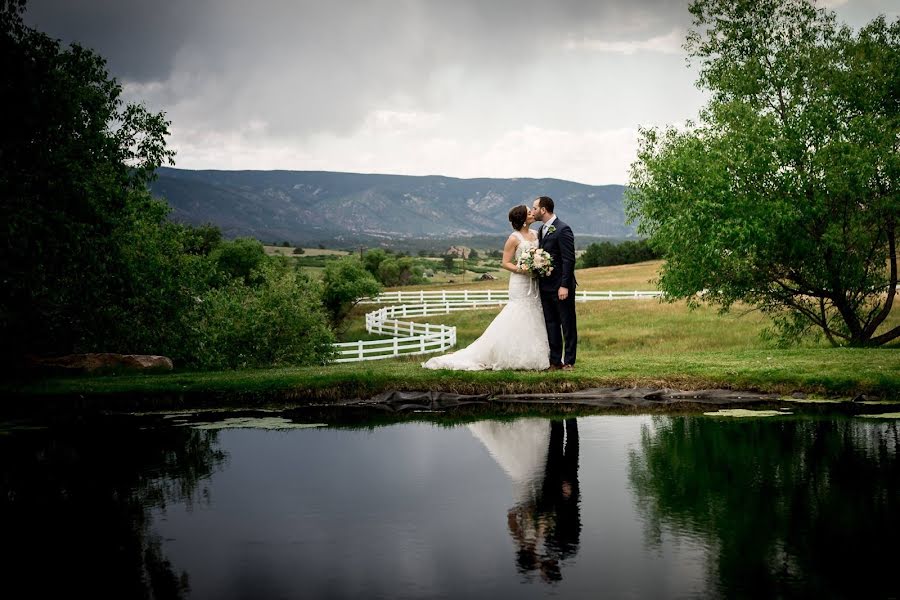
621	343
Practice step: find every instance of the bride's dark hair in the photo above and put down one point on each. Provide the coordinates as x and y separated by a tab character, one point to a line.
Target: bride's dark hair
517	216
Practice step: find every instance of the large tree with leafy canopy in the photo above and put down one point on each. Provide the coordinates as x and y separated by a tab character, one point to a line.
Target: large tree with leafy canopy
74	166
785	194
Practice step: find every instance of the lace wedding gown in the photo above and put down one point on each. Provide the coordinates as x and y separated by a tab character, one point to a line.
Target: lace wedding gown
515	339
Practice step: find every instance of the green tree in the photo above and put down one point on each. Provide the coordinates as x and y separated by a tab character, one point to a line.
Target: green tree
280	320
160	277
345	283
201	240
448	263
785	194
73	159
373	259
241	259
604	254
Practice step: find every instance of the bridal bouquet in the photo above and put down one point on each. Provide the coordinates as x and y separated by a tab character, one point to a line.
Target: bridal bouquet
537	261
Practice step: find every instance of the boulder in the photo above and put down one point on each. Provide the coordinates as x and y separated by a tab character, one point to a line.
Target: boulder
99	362
486	277
458	251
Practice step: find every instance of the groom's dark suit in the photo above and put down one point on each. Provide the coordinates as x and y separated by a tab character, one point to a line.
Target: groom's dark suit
559	315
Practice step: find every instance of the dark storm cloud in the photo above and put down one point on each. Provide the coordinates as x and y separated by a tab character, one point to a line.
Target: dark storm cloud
138	39
358	40
289	69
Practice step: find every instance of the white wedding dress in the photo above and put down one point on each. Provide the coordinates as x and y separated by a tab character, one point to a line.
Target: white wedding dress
520	448
515	339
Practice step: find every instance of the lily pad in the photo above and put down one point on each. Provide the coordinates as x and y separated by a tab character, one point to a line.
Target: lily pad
893	415
741	413
270	423
813	400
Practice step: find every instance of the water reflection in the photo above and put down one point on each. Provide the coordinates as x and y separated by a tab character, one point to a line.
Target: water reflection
541	459
74	505
609	506
794	507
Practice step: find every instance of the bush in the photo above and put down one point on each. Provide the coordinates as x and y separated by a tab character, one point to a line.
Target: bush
345	282
158	280
242	259
399	271
277	322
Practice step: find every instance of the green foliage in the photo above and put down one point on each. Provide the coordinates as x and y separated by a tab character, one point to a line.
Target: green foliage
346	281
73	160
449	263
691	474
201	240
785	194
399	271
90	260
373	259
298	250
279	321
605	254
159	282
241	258
392	270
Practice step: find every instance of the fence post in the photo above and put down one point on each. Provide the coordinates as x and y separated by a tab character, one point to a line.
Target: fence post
359	349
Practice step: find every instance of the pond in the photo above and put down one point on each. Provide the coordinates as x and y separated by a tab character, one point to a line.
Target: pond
604	506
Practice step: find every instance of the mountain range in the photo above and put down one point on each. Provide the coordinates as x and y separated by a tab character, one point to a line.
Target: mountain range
345	209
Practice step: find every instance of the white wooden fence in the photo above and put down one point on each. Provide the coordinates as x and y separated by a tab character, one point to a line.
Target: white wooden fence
411	338
489	296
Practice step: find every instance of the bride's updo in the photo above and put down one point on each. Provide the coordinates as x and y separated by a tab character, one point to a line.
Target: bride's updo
517	216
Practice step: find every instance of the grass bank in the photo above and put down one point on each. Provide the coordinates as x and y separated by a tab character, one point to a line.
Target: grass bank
627	343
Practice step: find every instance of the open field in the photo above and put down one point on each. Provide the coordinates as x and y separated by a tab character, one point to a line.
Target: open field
283	251
622	343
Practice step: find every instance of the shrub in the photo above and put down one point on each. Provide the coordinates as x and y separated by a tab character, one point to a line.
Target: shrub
280	321
345	282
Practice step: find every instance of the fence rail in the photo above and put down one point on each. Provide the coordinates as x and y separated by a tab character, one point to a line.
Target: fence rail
488	296
409	338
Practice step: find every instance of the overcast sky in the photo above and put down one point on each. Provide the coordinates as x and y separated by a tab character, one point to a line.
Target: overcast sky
464	88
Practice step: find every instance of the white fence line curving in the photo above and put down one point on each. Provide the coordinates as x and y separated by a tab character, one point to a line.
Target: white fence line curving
410	338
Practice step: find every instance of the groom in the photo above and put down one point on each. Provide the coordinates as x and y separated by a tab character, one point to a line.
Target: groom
558	288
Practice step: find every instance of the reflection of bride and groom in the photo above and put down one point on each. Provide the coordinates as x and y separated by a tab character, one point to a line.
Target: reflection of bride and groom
540	316
541	459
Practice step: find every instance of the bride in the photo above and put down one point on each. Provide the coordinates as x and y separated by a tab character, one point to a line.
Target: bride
517	337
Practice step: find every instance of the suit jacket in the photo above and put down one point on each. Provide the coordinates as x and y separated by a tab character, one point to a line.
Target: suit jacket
560	245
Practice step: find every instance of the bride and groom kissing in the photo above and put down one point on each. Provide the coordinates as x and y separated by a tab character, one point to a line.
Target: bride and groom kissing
538	323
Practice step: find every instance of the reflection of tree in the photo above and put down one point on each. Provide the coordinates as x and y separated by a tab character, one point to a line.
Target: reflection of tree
789	507
74	507
546	527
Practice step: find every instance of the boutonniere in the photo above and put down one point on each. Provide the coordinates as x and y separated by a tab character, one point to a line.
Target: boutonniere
549	229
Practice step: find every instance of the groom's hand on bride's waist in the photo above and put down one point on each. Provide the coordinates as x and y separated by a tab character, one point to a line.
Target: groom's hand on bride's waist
563	293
